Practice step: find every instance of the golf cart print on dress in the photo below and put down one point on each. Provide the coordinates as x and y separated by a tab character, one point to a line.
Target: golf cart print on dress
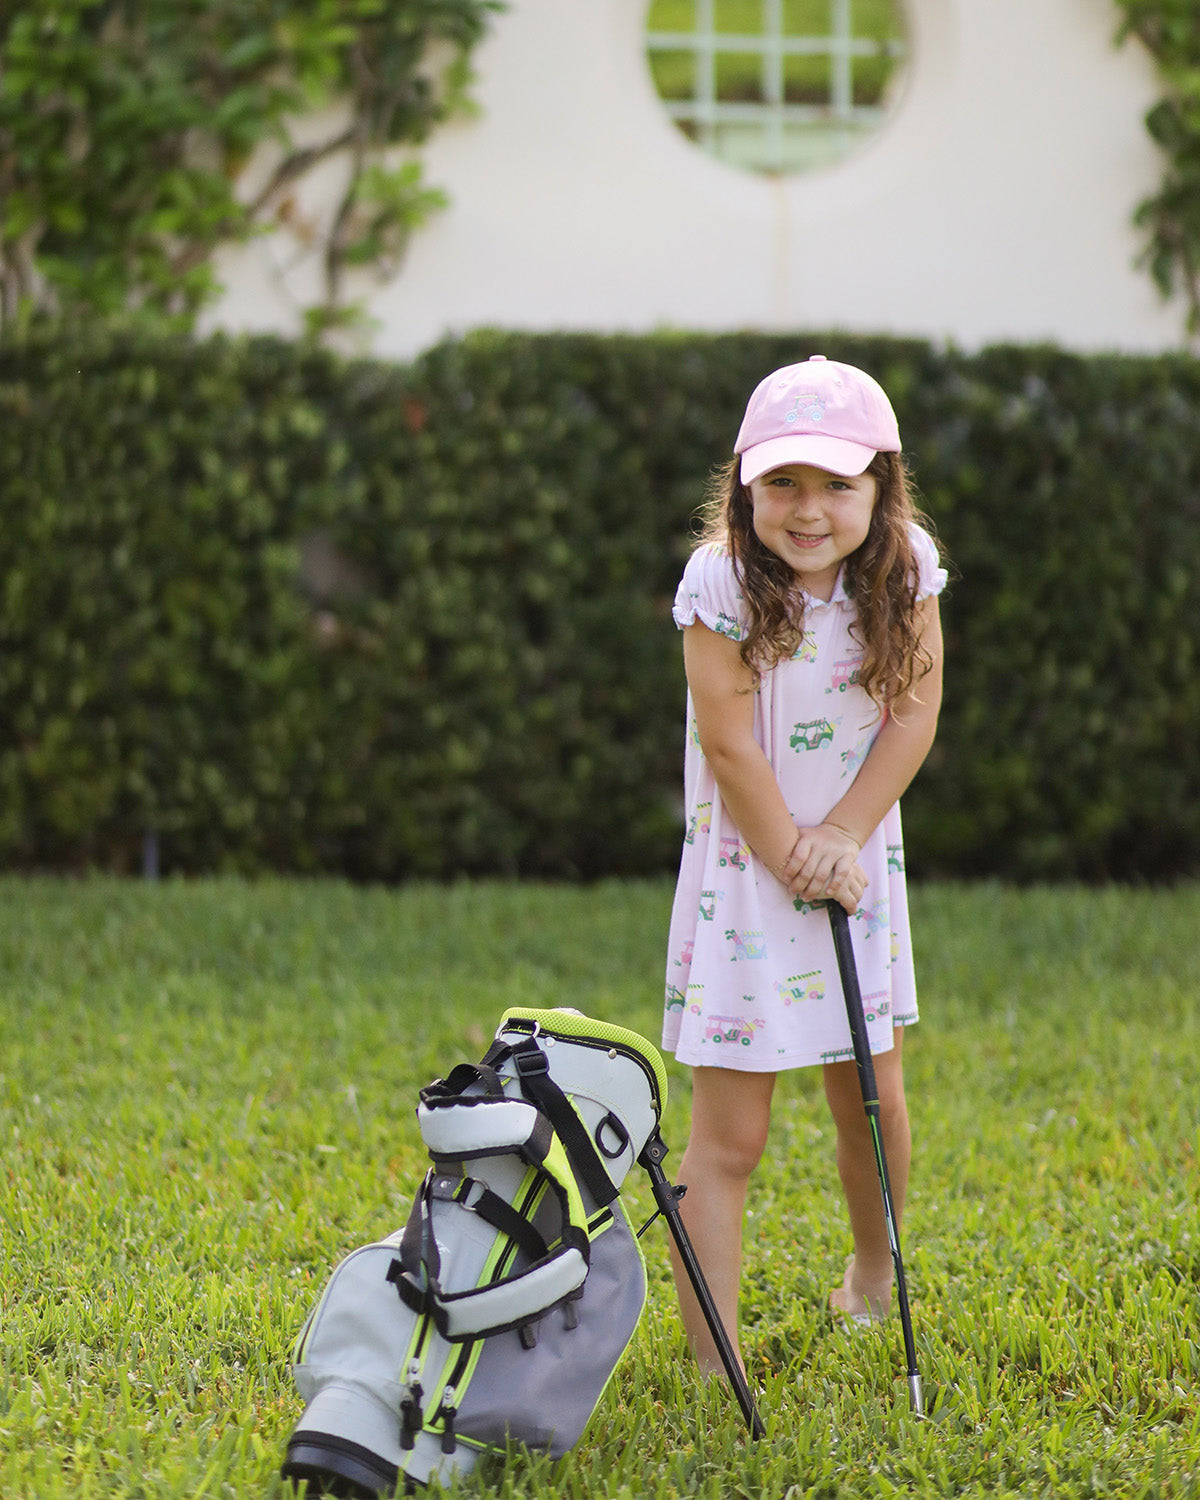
807	649
734	851
845	674
747	945
811	736
700	822
731	1029
800	987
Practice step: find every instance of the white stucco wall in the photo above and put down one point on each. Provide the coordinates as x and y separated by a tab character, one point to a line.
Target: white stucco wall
995	205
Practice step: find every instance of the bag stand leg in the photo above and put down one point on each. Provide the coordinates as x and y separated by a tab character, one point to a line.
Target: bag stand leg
848	971
667	1196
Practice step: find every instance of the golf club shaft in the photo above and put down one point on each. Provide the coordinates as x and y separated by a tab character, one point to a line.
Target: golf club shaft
848	970
667	1197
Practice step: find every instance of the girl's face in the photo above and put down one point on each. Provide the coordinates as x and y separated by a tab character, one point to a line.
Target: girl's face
813	520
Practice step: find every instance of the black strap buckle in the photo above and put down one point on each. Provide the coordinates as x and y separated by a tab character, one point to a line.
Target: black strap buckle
530	1061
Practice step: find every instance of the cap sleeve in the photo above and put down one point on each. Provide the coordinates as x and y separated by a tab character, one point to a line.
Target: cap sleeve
931	576
709	592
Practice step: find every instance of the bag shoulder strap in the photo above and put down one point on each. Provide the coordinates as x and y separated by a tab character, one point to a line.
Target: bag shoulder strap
533	1071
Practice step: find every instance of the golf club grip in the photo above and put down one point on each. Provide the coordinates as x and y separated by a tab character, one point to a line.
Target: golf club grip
848	971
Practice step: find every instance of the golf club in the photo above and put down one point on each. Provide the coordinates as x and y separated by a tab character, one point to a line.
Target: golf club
848	970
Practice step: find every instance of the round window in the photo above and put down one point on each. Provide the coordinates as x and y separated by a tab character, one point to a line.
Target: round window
777	85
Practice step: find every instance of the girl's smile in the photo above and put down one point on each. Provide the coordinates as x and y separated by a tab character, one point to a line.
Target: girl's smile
813	520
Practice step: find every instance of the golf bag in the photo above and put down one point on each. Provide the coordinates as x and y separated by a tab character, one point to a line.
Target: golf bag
501	1309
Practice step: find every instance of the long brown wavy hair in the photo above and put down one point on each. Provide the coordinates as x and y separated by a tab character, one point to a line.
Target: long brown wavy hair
880	578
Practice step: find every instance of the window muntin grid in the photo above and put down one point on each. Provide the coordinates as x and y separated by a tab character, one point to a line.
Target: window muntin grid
786	96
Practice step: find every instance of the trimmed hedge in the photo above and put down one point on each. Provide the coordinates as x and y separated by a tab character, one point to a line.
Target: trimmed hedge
296	613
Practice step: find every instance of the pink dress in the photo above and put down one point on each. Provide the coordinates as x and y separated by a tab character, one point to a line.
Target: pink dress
752	978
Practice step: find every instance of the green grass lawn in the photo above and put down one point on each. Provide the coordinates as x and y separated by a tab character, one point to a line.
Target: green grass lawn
206	1099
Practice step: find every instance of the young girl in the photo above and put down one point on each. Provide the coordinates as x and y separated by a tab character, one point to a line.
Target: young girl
813	653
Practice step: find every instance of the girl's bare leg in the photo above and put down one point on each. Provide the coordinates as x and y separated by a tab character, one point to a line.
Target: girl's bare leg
731	1112
867	1287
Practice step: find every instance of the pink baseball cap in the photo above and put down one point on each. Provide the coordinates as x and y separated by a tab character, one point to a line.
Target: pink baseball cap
830	415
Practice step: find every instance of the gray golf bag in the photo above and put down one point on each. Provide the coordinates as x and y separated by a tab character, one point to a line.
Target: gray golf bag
499	1312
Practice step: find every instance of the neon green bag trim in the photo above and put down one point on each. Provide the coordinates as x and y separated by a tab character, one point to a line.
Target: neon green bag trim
559	1168
569	1023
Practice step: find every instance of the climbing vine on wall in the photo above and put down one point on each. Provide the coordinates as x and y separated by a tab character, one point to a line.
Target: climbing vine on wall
1170	217
126	127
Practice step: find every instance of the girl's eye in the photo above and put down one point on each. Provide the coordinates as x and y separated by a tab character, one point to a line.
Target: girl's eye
839	484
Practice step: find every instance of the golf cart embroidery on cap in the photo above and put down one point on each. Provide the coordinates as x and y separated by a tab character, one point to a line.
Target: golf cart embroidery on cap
808	404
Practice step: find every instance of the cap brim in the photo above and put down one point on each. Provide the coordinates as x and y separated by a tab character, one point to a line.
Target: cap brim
835	454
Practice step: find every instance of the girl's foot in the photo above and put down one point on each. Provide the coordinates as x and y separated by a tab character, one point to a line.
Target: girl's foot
860	1301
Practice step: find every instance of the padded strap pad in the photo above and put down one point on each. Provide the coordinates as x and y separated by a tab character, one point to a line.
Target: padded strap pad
513	1301
479	1127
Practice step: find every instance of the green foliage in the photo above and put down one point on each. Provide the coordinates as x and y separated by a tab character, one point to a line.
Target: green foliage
298	614
206	1100
1170	30
1065	487
125	126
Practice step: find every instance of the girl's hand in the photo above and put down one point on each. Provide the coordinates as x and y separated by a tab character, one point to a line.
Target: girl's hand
824	866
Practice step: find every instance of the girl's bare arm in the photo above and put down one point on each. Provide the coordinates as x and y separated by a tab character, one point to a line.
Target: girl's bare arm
722	689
